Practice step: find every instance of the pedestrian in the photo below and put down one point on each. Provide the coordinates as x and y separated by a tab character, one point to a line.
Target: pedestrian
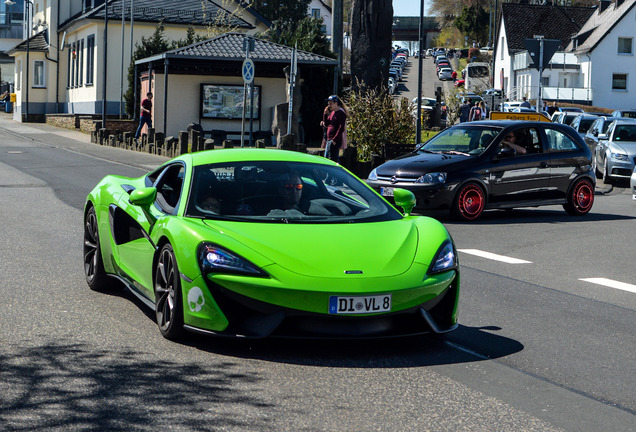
475	113
464	110
552	109
545	106
145	115
334	118
525	103
454	75
484	110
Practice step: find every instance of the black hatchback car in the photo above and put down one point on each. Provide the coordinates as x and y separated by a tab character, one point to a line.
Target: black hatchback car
473	166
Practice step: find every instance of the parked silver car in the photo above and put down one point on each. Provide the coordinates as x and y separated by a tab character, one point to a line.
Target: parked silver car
445	74
633	184
615	155
598	129
582	123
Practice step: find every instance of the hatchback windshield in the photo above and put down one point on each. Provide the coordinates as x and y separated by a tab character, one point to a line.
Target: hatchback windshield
468	140
288	192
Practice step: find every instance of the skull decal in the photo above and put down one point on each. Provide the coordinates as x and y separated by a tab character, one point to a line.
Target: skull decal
195	299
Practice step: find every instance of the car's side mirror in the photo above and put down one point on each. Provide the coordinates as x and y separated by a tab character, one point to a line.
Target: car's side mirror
144	198
507	152
405	199
602	136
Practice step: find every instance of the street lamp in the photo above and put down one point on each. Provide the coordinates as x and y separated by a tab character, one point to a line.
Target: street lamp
28	36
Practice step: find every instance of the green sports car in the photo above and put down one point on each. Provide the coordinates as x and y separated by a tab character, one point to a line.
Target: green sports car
257	243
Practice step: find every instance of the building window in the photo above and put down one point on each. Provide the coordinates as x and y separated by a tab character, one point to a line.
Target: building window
38	74
545	81
68	74
80	60
18	82
619	81
502	48
73	57
625	45
315	13
90	58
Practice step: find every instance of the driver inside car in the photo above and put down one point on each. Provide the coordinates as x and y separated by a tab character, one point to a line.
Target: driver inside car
509	141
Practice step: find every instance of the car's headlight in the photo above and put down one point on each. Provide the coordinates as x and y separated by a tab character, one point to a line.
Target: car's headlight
445	259
432	178
620	157
373	175
214	259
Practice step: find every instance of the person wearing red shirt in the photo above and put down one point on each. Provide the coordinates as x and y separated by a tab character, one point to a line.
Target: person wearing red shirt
146	114
334	119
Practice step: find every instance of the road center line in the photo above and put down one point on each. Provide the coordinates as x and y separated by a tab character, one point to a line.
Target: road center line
611	283
494	257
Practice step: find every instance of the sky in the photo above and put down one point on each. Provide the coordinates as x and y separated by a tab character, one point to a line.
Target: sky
408	7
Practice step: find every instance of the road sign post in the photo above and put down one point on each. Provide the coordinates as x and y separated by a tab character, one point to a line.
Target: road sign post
541	51
248	71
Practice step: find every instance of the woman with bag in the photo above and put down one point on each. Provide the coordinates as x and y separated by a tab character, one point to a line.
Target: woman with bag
334	119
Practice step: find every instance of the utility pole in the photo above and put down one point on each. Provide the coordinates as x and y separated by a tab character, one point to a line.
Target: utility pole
336	41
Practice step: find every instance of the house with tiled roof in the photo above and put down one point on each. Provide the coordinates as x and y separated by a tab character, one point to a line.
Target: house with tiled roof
604	47
561	79
319	9
203	83
82	66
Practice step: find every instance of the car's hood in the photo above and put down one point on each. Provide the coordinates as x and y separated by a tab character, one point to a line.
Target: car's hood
377	249
628	147
419	164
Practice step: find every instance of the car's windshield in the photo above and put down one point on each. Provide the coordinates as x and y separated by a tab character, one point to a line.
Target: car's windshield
585	124
466	140
288	192
477	71
625	133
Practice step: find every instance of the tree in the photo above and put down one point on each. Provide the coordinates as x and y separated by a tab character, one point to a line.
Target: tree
284	14
473	23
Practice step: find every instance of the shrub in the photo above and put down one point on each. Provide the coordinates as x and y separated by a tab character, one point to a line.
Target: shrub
375	119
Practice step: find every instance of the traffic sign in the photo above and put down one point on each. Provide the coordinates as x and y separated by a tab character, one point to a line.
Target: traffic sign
248	71
533	46
497	115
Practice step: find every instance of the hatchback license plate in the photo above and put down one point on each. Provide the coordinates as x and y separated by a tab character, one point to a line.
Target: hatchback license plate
386	191
359	304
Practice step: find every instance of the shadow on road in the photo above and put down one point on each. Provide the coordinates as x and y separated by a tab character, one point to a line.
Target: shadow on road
73	386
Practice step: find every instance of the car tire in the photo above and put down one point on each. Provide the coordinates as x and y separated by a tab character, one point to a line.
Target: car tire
96	277
580	198
607	179
597	172
168	299
469	203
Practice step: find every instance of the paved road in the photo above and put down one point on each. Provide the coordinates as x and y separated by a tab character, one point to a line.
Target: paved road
538	348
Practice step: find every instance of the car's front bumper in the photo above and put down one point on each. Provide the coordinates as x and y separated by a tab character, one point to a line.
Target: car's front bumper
233	307
428	197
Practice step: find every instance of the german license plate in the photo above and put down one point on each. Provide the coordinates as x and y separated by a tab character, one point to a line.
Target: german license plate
386	191
359	304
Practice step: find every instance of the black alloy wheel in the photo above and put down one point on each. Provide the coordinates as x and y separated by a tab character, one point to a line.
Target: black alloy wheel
96	277
168	301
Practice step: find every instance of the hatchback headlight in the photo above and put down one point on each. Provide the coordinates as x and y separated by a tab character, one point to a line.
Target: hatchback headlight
214	259
432	178
445	259
620	157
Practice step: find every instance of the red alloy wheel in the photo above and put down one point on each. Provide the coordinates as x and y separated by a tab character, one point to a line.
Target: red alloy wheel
583	196
470	202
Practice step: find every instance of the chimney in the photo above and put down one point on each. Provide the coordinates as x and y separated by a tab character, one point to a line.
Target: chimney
604	4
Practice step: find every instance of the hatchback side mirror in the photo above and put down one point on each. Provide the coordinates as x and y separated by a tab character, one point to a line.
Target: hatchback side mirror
602	136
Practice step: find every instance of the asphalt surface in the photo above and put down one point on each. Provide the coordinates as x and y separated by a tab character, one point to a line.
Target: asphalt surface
538	349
